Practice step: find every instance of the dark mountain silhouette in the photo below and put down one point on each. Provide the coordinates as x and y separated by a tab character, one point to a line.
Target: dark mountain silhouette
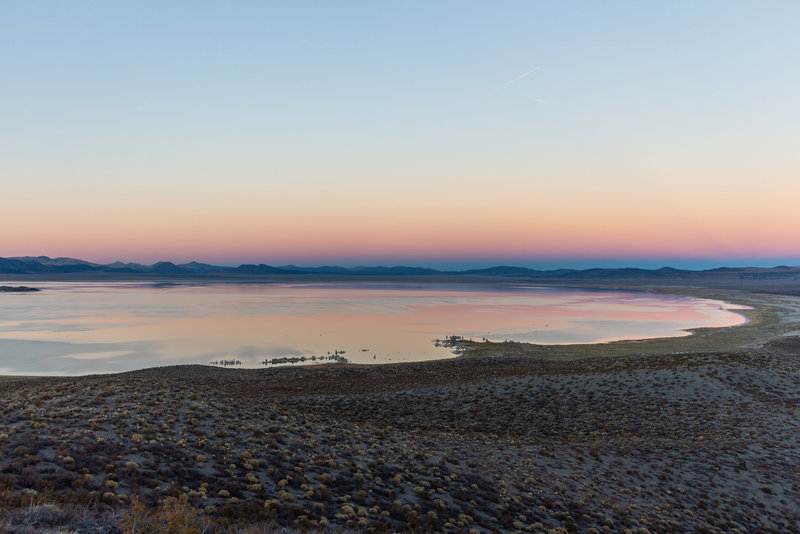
325	269
43	264
391	271
13	266
44	260
167	267
785	278
131	266
258	269
195	267
362	271
502	270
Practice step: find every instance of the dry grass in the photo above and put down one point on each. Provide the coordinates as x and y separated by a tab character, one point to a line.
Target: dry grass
678	442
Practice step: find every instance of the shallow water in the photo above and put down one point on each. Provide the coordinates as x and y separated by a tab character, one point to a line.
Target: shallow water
79	328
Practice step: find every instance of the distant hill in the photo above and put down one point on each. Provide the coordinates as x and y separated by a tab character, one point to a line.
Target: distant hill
44	260
501	270
167	267
258	269
201	268
45	265
783	278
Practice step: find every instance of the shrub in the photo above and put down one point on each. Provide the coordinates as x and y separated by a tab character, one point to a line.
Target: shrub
174	516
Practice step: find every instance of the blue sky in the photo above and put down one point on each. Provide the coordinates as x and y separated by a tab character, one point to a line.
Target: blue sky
300	132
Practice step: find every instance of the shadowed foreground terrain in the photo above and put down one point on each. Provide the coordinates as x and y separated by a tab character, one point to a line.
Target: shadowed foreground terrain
674	443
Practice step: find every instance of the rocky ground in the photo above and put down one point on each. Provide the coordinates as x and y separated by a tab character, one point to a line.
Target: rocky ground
702	442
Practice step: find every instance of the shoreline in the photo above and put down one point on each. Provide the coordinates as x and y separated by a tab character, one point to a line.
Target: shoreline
768	320
613	437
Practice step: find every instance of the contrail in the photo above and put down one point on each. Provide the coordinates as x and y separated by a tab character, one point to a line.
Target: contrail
518	78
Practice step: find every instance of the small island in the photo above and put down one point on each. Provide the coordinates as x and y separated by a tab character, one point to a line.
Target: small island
17	289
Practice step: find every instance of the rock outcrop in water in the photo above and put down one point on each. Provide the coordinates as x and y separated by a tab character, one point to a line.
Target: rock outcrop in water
18	289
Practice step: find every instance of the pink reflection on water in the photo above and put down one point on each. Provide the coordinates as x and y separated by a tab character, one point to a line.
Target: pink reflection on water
79	328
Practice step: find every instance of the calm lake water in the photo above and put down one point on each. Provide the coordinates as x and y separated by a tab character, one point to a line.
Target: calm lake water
79	328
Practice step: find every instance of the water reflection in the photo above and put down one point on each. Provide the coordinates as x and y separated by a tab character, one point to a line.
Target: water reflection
73	328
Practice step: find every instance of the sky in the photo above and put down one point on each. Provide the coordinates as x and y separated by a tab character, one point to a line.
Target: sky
435	133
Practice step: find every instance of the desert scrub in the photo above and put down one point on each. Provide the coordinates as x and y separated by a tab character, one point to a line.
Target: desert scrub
173	516
56	518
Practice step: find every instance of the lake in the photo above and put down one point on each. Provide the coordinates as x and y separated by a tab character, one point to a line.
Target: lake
80	328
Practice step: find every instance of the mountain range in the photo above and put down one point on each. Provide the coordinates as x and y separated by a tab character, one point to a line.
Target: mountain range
43	266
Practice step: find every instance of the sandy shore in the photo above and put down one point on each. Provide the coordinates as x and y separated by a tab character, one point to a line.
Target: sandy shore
771	319
695	434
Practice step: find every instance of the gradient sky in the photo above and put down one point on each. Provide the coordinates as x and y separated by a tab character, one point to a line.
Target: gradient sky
545	134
